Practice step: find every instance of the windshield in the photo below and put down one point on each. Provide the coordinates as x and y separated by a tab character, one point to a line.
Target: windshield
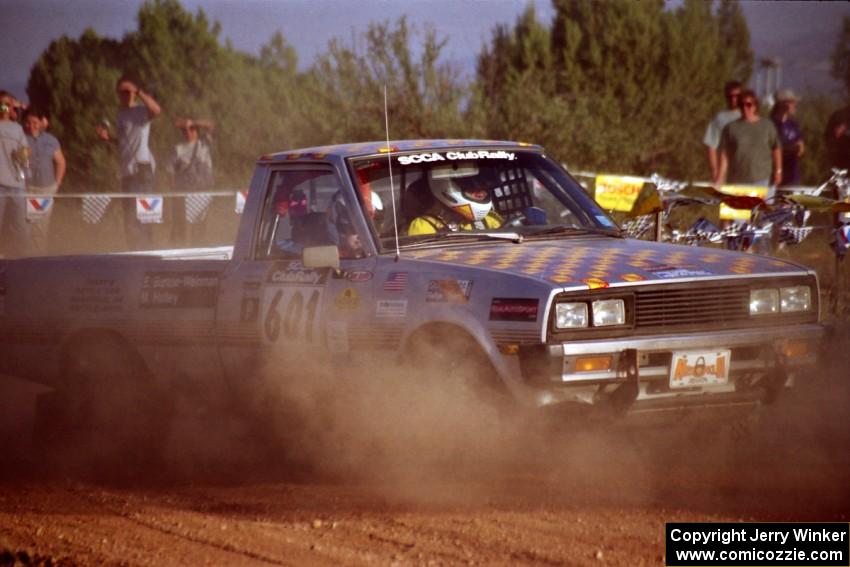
475	194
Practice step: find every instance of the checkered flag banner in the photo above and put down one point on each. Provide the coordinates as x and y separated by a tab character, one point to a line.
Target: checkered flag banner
197	207
637	227
94	207
794	234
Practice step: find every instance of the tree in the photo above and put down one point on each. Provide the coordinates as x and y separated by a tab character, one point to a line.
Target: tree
840	56
614	86
74	82
347	83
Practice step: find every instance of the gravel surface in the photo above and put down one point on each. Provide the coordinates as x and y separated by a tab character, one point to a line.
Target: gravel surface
436	494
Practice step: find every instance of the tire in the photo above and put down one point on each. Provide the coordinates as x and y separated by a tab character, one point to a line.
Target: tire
109	416
451	358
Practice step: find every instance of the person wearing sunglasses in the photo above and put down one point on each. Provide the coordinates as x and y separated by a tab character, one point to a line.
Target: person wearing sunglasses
711	140
750	152
191	171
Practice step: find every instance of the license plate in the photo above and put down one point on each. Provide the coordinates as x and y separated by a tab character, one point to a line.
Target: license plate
706	368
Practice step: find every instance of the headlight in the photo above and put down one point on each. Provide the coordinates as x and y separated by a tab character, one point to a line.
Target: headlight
795	299
607	312
764	301
570	315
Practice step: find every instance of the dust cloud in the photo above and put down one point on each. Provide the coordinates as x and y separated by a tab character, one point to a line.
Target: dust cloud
412	436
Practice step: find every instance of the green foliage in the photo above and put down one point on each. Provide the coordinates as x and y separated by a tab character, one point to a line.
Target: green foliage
346	89
813	114
613	85
840	57
607	85
260	104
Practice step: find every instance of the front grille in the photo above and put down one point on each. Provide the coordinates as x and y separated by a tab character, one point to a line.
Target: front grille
687	307
720	306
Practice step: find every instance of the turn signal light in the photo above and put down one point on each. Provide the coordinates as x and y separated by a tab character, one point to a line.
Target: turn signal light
793	349
593	363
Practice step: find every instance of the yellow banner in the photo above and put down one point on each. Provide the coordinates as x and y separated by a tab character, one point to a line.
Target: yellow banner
617	193
728	213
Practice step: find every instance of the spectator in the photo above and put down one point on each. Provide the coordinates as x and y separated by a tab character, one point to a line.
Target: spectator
14	156
191	170
47	169
749	148
838	137
732	91
136	161
790	135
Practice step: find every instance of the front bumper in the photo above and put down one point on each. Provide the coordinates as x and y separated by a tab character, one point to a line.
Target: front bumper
763	360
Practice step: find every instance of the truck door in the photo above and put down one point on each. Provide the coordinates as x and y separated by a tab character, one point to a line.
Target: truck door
274	314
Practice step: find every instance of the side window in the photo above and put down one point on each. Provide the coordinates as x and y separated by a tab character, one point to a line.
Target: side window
304	207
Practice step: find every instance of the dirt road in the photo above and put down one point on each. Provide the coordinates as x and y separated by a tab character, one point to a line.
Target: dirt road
525	496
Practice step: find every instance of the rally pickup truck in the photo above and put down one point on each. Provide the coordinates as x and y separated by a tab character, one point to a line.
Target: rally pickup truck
521	275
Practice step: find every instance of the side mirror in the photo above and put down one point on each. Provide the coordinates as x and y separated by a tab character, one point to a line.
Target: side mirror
320	257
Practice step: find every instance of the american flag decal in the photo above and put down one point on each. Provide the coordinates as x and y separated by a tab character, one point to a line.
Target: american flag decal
396	281
94	207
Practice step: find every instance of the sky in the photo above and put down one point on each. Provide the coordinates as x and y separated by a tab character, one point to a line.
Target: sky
800	34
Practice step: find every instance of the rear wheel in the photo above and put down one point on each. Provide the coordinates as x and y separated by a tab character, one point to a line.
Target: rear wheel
109	412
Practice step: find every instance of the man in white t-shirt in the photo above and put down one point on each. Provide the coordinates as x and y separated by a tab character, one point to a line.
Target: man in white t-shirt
136	161
711	140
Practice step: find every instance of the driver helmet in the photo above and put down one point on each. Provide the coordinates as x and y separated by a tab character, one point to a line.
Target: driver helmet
461	188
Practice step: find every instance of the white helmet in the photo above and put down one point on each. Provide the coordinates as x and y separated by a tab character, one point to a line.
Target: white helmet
456	185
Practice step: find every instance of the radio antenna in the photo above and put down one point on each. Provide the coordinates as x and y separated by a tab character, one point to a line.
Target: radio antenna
392	183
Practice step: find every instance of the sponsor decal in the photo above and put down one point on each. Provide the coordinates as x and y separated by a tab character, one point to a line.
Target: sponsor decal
514	309
617	193
294	272
337	337
180	290
358	276
453	156
149	209
671	272
448	291
39	208
249	308
347	300
396	281
391	308
96	295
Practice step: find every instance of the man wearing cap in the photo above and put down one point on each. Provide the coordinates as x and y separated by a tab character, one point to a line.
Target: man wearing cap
790	135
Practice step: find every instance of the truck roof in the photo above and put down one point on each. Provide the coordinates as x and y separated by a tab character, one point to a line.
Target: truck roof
372	148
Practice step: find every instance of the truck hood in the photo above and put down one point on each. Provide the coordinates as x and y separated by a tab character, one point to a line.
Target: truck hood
600	262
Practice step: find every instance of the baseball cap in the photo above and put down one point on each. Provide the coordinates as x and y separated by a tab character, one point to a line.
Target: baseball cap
786	95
